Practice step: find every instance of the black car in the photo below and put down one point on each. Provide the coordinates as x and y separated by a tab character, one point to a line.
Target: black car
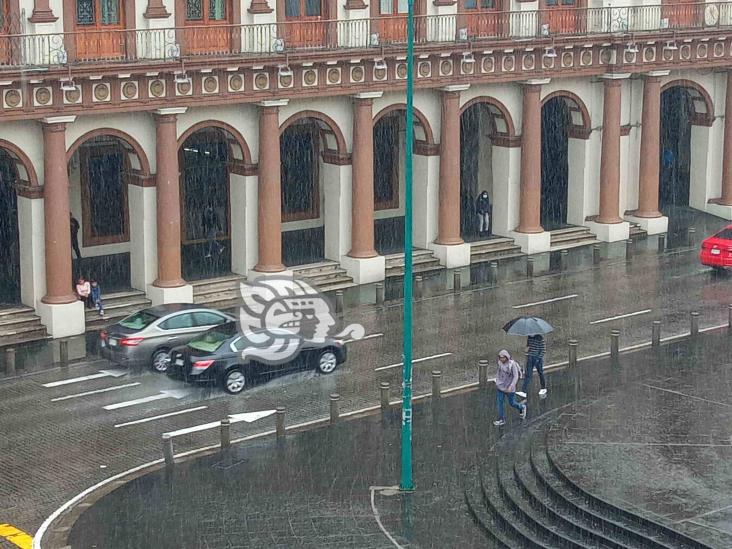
219	356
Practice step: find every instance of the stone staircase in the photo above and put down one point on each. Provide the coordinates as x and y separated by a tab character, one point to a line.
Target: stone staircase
20	325
521	497
493	250
117	305
219	293
637	232
326	276
571	237
424	262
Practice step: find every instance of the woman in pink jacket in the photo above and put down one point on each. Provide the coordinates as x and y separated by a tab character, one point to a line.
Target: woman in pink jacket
507	377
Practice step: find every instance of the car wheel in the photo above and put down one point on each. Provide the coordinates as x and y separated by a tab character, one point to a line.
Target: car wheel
327	361
234	381
161	360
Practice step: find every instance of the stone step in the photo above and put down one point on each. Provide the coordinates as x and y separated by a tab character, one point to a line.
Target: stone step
569	237
495	256
24	337
324	278
568	230
306	271
576	244
486	522
421	267
398	259
220	300
140	302
498	243
217	279
18	319
23	329
217	286
332	287
14	310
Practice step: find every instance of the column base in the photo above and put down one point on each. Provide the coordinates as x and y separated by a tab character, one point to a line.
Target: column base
453	255
161	296
652	225
720	210
62	320
533	243
254	275
609	232
365	270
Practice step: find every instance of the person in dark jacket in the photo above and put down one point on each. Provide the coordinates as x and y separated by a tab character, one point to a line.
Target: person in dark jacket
536	349
75	235
483	209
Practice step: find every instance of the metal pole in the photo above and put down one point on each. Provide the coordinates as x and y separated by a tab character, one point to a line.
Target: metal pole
692	234
628	248
494	272
339	301
379	293
729	319
436	384
168	449
595	254
661	243
225	433
694	323
483	373
280	419
656	334
563	256
384	388
457	283
573	353
406	482
418	287
63	351
10	360
614	343
334	412
529	267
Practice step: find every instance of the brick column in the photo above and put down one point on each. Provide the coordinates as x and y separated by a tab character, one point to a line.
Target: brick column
530	199
650	148
59	286
362	179
726	198
168	199
610	158
448	225
42	12
269	219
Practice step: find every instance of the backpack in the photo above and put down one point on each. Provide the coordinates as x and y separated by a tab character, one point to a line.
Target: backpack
519	368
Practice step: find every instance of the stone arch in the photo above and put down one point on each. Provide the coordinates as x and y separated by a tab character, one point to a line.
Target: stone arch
503	125
422	132
238	147
139	163
580	127
700	99
334	143
26	172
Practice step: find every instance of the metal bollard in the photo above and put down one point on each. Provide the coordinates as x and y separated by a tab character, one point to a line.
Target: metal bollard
379	293
280	422
418	287
656	334
661	243
493	273
334	412
225	433
629	248
168	449
595	254
563	257
384	395
9	361
573	353
692	235
436	384
694	323
339	301
529	267
457	283
63	351
483	373
614	343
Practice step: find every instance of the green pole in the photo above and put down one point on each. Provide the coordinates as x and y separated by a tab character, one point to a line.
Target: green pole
406	482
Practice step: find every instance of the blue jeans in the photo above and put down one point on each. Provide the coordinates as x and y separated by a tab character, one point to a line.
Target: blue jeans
511	401
531	363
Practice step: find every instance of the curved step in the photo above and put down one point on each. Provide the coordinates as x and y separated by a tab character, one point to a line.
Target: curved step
486	522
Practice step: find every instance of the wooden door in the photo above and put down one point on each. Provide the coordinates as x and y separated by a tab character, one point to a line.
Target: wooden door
563	16
99	29
209	29
305	23
392	22
483	18
682	13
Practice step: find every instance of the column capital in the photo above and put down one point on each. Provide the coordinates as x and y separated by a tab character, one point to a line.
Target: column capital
455	88
615	76
536	82
656	74
273	103
170	110
61	120
368	95
42	12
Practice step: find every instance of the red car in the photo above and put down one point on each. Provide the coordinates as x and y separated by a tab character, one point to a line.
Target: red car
716	251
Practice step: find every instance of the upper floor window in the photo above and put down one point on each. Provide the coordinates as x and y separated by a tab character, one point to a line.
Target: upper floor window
206	11
97	12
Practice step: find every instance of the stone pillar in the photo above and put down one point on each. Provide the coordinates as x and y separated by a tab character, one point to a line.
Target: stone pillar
42	12
362	189
156	10
610	156
726	198
269	220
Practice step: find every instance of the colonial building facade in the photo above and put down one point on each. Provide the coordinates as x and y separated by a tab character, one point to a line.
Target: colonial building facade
198	138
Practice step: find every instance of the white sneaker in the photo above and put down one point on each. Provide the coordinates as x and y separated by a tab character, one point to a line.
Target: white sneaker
542	393
521	394
523	411
499	422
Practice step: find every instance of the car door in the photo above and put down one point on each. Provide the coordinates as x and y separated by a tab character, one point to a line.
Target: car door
178	329
205	320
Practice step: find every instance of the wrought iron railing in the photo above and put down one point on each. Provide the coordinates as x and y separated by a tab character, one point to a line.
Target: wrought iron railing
137	45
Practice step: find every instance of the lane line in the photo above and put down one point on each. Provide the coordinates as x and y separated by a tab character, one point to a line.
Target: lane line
194	429
415	361
607	443
128	403
15	536
370	336
627	315
161	416
87	393
552	300
688	396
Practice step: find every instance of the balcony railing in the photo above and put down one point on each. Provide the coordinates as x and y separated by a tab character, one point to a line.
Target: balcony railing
42	50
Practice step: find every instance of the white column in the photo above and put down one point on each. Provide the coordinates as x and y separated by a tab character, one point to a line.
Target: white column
32	250
143	236
425	193
244	230
337	210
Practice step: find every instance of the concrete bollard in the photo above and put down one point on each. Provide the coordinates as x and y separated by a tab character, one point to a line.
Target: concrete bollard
614	343
339	301
483	373
694	323
457	282
225	433
379	293
9	361
168	450
63	351
596	254
573	353
661	243
656	334
280	422
529	267
493	272
692	236
384	387
629	248
563	259
418	287
334	411
436	384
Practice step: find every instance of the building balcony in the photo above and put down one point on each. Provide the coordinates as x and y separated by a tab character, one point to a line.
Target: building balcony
475	30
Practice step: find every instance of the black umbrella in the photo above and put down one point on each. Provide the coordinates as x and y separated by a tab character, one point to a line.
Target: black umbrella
527	326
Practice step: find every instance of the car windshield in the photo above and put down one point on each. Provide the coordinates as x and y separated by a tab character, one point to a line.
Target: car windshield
725	234
138	321
212	340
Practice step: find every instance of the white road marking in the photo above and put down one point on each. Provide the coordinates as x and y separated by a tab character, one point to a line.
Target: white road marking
627	315
414	361
161	416
102	373
144	400
369	336
552	300
87	393
250	417
372	489
194	429
716	403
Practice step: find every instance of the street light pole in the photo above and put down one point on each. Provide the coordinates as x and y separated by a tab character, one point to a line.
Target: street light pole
406	482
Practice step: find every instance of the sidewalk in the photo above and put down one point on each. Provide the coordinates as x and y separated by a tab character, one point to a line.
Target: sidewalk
315	488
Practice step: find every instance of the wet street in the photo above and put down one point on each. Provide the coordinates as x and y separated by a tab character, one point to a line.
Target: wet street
67	429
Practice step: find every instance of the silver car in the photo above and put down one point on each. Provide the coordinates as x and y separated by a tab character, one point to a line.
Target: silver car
147	337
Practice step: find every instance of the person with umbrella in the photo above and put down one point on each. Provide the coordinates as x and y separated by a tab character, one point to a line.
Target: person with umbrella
507	376
534	329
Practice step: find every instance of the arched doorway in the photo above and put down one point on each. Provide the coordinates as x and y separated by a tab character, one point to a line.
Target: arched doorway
205	159
10	249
